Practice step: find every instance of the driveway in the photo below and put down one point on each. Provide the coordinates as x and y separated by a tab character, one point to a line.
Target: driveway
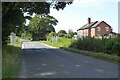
42	61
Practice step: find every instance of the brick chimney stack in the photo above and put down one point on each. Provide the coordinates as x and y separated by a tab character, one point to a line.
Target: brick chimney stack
89	29
89	20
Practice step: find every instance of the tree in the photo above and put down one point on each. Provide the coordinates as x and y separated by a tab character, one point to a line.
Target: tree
13	13
50	35
41	25
75	33
70	32
61	33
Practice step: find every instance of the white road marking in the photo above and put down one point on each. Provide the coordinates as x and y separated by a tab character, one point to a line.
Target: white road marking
22	46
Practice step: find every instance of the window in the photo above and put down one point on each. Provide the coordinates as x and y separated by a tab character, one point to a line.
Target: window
98	28
107	28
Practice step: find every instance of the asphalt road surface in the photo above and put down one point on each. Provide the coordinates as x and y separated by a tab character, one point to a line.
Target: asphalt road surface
42	61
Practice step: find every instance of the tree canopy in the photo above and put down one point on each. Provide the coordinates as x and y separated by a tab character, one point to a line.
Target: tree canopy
13	13
70	32
61	33
42	25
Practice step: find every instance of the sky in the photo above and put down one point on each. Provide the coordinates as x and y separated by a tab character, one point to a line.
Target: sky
75	15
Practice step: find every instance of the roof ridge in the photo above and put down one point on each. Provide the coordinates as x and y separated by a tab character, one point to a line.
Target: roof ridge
90	25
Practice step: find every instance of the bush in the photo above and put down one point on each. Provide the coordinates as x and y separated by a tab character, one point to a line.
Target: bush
61	35
11	58
50	35
110	46
67	36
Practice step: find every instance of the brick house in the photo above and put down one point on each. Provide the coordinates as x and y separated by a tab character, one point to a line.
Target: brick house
94	29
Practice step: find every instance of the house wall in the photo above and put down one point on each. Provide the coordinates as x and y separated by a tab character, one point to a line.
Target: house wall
85	32
80	32
92	32
102	31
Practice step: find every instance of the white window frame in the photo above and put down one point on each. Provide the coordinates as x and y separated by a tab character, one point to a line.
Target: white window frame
107	28
98	28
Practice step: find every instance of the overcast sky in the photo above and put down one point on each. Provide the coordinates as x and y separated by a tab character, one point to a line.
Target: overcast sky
75	15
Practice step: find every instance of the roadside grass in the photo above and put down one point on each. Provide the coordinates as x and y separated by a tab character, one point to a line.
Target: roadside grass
11	56
111	58
64	44
0	62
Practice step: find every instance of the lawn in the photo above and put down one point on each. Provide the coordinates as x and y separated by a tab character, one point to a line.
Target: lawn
0	62
11	56
62	42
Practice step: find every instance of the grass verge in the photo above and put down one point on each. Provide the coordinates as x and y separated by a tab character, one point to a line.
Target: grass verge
11	57
62	42
102	56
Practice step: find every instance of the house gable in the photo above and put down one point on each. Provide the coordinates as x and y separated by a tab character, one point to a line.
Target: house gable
97	28
100	29
96	25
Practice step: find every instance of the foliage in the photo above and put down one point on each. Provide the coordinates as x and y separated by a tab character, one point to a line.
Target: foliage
42	25
62	42
71	33
11	60
112	46
25	33
62	33
112	58
95	46
109	46
13	14
67	36
75	33
50	35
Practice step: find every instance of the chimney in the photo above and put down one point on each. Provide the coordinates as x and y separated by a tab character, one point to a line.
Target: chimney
89	20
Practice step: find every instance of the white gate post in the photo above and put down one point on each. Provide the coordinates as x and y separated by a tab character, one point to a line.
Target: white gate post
13	37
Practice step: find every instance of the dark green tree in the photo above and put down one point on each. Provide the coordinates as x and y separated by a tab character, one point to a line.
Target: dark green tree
13	14
70	32
62	33
42	25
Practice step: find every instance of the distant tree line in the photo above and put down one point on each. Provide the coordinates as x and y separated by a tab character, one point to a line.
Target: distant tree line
63	33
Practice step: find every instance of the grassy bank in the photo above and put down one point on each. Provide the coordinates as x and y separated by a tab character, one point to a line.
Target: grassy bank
66	43
102	56
62	42
11	56
110	46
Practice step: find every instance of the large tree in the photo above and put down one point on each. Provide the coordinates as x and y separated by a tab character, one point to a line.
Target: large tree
62	33
71	33
13	13
40	26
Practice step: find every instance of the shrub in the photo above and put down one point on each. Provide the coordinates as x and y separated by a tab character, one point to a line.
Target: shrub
110	46
50	35
11	58
61	35
67	36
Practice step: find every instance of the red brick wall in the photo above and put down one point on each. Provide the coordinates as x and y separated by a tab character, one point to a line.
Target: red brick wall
85	32
92	32
102	31
80	32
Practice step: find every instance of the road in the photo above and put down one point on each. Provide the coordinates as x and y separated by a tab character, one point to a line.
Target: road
42	61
